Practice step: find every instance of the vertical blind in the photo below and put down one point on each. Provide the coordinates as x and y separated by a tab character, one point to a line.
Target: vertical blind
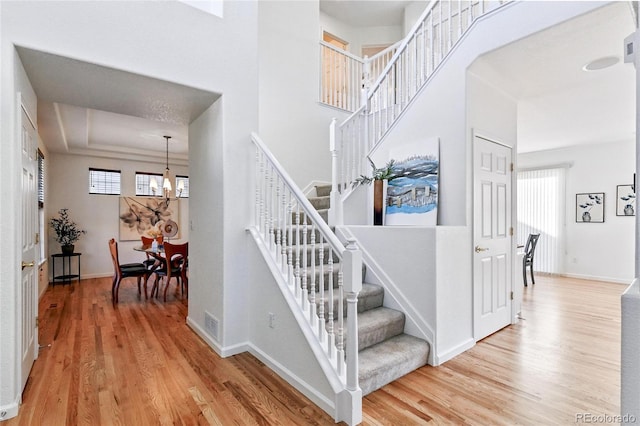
541	209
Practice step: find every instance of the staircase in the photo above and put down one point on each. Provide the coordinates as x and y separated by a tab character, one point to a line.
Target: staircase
385	352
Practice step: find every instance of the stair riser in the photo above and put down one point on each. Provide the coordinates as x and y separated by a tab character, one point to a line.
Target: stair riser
326	275
324	213
365	303
372	334
297	236
320	202
323	190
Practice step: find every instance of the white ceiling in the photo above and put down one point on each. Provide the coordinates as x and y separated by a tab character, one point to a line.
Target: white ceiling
89	109
366	13
559	104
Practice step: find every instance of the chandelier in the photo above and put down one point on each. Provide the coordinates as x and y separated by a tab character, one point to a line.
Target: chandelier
167	178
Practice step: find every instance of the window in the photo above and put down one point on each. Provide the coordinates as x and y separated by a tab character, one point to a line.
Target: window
541	201
103	181
143	181
40	179
185	184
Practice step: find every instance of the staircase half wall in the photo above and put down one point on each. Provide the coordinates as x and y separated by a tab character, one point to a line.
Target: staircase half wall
424	275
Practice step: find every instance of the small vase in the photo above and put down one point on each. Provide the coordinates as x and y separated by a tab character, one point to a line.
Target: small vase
628	210
378	202
67	249
586	217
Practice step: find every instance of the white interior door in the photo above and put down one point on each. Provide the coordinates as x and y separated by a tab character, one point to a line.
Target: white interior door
29	282
492	278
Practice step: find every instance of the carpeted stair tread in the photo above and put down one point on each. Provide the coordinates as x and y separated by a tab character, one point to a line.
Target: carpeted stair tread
370	297
320	202
377	325
387	361
323	190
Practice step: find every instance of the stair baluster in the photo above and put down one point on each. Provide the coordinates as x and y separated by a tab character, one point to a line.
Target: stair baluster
322	331
305	293
313	316
331	341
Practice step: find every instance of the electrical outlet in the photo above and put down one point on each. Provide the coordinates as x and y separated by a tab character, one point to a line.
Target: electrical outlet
272	320
574	260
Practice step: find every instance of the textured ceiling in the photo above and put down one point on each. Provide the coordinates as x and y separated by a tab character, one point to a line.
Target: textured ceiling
90	109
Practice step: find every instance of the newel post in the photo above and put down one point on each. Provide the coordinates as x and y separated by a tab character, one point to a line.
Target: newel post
335	208
352	287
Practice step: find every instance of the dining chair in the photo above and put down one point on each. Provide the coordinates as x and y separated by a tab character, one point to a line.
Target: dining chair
177	258
126	270
527	260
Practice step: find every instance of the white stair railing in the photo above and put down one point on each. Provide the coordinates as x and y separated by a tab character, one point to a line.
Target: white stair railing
296	240
434	35
343	75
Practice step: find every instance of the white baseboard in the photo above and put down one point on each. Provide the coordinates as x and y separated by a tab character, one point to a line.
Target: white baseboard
282	371
594	278
303	387
456	350
220	350
9	411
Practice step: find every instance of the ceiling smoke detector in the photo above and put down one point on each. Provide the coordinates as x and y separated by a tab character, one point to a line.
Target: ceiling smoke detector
601	63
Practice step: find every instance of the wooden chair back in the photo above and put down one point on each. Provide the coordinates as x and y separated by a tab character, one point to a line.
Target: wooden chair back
177	256
113	249
177	253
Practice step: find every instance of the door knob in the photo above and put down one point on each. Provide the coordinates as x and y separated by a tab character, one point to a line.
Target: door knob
479	249
27	265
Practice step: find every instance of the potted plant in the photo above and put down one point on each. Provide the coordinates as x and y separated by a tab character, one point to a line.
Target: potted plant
67	231
378	176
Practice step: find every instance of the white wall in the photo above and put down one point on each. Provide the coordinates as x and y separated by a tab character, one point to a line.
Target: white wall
293	124
412	12
602	251
359	37
98	214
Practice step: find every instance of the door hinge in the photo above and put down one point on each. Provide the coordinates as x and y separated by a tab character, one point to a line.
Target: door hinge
37	237
37	322
511	295
511	166
511	231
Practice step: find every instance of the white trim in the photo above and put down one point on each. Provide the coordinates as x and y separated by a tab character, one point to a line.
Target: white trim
596	278
224	352
455	351
9	411
567	165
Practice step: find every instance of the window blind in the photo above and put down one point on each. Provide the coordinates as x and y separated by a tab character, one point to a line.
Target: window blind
541	209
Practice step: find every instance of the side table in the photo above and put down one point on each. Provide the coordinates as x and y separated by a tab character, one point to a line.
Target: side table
66	276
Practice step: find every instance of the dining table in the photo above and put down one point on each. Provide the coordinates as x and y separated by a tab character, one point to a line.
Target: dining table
158	254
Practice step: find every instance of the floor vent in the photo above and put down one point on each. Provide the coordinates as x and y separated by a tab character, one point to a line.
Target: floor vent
211	325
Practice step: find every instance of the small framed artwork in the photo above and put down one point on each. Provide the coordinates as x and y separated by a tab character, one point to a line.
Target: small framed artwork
590	207
625	200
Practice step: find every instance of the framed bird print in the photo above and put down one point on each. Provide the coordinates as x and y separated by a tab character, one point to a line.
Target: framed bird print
590	207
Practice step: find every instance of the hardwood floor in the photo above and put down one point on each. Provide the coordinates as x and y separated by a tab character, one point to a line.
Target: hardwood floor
139	363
